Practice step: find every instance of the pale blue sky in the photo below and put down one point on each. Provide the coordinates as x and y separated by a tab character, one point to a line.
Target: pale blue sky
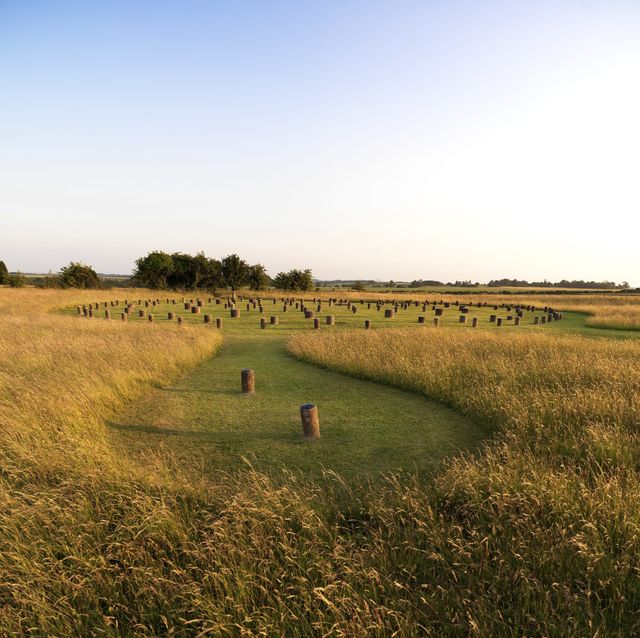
442	140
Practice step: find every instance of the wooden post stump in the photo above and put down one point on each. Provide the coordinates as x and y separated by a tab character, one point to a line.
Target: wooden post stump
463	319
248	378
150	318
310	422
499	322
195	310
388	313
273	320
330	320
107	314
474	322
436	322
263	323
141	313
516	321
367	324
171	316
316	323
123	316
218	322
207	318
235	313
187	306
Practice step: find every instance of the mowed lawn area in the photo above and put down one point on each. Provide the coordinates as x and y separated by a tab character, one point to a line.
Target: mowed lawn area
205	425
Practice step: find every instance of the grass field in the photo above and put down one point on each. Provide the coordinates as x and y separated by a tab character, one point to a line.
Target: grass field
142	494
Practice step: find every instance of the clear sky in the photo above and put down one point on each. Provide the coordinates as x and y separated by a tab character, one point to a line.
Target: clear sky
393	140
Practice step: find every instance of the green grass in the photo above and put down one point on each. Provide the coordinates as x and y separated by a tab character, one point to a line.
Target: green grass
205	423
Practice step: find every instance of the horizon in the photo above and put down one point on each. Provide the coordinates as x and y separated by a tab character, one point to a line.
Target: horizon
445	141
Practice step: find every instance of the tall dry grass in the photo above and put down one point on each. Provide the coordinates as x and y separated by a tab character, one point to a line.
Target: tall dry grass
540	534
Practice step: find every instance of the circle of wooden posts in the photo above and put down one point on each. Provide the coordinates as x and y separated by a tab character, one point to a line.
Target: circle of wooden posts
310	422
248	379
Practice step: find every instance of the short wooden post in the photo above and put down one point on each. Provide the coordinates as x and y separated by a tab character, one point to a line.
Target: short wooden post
140	313
235	313
273	320
248	381
463	319
436	322
420	319
536	321
316	323
474	322
187	305
107	314
123	316
367	324
180	321
150	318
263	323
516	321
218	322
310	422
207	318
388	313
499	322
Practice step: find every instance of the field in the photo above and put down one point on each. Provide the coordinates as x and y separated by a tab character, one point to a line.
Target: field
468	481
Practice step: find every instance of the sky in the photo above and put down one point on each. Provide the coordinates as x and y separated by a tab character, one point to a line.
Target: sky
382	140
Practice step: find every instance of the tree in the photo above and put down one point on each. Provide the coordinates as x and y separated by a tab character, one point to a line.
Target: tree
17	281
78	275
153	270
212	277
294	280
4	274
358	286
257	277
234	271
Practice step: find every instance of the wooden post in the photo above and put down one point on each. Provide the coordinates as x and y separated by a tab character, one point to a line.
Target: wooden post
463	319
248	381
218	323
273	320
107	314
171	316
207	318
367	324
474	322
140	313
310	422
330	320
499	322
436	322
123	316
235	313
517	321
263	323
388	313
150	318
420	319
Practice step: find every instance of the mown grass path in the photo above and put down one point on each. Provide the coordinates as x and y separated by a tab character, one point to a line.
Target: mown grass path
208	425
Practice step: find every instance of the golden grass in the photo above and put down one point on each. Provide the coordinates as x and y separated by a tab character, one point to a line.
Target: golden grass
539	535
541	531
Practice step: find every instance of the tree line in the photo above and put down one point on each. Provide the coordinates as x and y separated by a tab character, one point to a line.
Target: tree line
160	270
